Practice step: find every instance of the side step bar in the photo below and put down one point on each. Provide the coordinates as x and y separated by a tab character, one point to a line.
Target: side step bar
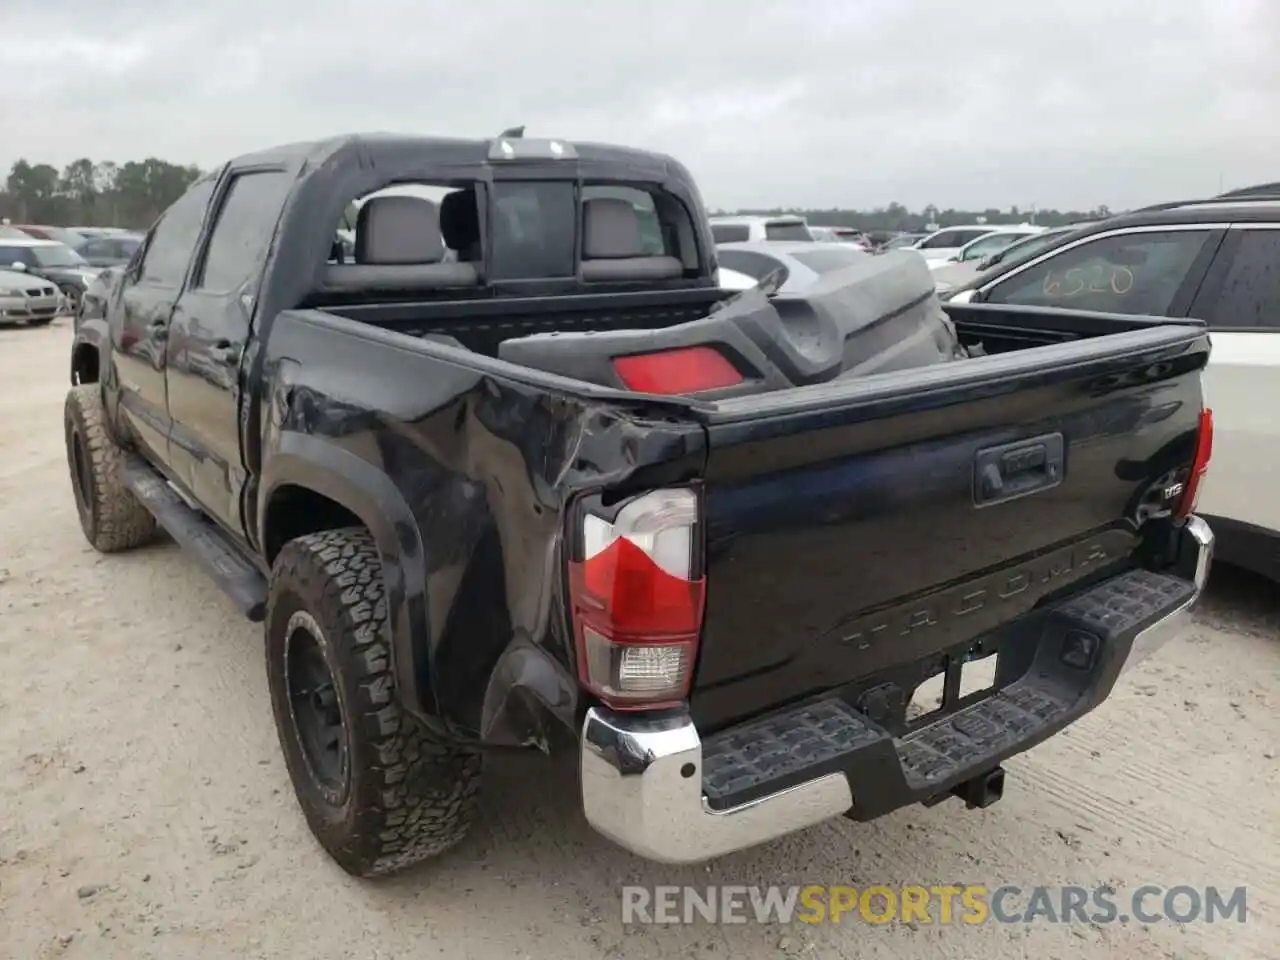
197	535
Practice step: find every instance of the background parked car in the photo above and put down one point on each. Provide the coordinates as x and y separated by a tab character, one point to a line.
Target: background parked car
738	229
992	243
946	243
51	261
902	241
951	276
43	232
847	235
110	250
98	231
26	299
1216	260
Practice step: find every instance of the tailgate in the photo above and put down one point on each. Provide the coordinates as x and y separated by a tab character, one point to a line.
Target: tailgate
871	522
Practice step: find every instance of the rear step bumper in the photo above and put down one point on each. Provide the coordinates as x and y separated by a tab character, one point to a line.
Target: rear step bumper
652	785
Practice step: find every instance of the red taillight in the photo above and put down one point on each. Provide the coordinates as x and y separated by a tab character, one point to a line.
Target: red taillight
636	598
687	370
1199	466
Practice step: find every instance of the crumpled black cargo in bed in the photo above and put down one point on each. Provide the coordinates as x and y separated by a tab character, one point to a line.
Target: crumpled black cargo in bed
877	315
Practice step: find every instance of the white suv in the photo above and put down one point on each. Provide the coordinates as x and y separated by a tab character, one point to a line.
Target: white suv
742	229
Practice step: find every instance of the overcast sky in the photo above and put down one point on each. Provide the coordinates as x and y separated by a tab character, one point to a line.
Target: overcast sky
1060	103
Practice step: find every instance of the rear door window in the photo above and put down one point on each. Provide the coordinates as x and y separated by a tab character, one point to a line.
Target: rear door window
1130	273
1250	292
243	231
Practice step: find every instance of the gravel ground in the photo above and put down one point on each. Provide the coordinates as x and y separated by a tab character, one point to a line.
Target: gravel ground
147	812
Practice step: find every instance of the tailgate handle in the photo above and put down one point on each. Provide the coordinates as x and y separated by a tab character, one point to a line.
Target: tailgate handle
1014	470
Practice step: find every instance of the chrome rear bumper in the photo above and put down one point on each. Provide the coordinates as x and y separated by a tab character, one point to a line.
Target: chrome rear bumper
642	783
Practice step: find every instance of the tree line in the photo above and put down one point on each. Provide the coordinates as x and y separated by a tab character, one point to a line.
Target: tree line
133	194
91	193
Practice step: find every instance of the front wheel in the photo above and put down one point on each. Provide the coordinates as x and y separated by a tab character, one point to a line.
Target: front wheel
378	792
110	515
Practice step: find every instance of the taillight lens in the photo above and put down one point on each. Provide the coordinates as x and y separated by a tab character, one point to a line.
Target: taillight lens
1199	466
636	591
686	370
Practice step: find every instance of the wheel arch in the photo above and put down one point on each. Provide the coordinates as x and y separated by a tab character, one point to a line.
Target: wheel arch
310	484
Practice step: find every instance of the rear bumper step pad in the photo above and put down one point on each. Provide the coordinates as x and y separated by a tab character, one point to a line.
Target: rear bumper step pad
761	757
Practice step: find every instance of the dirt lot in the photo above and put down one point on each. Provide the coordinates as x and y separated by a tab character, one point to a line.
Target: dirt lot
146	811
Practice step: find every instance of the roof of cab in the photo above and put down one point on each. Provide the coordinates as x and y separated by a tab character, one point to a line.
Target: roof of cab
396	148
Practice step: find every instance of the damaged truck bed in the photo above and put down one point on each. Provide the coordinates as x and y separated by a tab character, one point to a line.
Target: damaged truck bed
523	475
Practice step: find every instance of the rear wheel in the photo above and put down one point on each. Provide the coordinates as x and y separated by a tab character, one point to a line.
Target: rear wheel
377	791
110	516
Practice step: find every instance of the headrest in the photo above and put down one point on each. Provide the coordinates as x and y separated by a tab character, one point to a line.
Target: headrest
610	230
459	220
398	230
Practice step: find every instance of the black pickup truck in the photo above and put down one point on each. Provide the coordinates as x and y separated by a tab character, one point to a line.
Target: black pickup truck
720	583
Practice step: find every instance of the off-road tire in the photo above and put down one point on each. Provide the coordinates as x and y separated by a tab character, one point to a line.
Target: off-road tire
407	796
110	516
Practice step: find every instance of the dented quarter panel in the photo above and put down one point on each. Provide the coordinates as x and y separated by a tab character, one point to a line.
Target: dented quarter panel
463	476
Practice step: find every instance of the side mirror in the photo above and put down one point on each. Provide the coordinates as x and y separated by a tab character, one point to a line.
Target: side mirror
987	262
19	266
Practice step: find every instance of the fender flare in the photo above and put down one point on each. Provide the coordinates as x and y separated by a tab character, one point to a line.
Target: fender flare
323	467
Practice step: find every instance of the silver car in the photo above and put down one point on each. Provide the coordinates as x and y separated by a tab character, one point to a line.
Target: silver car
27	299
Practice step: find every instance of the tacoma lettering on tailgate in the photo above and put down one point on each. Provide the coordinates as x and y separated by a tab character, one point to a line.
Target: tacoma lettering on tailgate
1022	584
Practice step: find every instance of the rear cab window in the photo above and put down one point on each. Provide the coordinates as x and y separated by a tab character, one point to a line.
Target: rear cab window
786	230
534	228
730	232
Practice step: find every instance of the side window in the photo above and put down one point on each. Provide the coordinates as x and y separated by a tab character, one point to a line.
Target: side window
1250	294
1134	273
12	255
242	232
173	239
96	248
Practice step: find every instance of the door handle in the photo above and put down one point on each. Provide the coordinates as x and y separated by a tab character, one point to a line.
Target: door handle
1017	469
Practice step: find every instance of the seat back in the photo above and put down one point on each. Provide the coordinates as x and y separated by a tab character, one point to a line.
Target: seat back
398	246
613	247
